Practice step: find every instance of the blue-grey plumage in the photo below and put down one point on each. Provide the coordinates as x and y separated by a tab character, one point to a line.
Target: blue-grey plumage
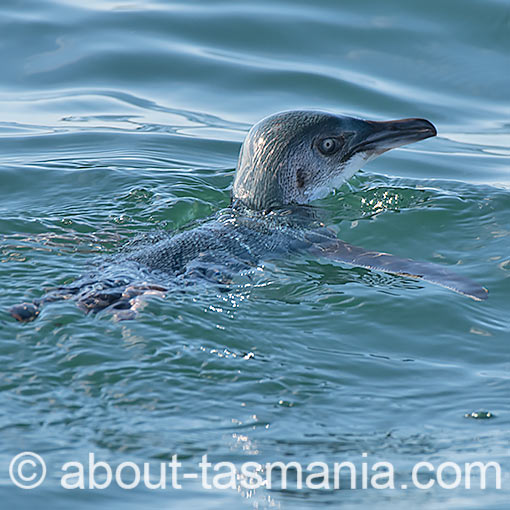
287	161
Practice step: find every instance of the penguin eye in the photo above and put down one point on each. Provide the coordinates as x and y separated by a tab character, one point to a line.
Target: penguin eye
328	146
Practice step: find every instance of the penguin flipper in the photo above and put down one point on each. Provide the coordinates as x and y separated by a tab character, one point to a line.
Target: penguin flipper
340	251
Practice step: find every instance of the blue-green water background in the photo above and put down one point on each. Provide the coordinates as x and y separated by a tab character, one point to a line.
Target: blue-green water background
120	117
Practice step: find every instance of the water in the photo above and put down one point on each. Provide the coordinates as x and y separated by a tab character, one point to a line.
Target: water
123	117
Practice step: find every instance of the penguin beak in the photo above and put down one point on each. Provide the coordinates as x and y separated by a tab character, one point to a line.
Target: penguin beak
378	137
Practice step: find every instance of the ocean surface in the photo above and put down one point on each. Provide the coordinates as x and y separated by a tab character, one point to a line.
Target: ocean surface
120	117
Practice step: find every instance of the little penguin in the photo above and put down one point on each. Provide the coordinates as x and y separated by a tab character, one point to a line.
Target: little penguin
287	161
